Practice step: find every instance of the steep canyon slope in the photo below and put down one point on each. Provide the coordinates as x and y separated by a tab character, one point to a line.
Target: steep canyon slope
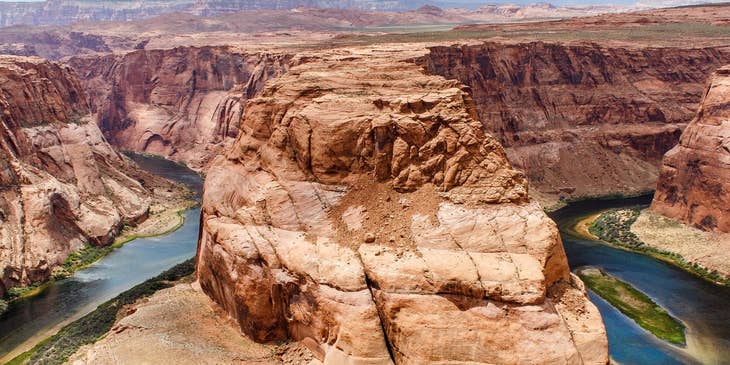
582	119
363	211
694	185
61	184
182	103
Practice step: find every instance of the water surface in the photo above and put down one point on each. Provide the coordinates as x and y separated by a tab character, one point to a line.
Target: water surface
703	307
35	318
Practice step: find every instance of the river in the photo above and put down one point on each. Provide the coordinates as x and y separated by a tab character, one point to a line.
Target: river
32	319
703	307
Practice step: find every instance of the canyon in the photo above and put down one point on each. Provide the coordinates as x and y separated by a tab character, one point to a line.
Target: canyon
582	120
371	197
225	28
182	103
693	186
62	185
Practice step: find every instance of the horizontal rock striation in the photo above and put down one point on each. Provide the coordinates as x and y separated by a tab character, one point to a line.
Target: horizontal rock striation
581	120
694	185
363	211
61	184
181	103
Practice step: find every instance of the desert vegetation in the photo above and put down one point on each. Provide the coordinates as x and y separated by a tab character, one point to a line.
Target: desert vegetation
635	304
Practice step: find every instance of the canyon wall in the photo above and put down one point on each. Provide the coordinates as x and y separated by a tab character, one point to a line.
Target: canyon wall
363	211
181	103
694	185
61	184
581	120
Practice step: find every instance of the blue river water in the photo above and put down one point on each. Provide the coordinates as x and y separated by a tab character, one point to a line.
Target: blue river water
38	316
703	307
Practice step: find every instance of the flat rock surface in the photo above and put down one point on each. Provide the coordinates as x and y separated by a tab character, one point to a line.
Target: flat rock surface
178	325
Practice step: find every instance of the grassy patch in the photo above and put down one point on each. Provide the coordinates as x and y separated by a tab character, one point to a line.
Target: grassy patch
3	306
634	304
18	292
80	259
89	328
614	226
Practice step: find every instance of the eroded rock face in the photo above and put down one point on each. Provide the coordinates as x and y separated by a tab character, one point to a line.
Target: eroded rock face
182	103
694	185
581	120
61	184
363	211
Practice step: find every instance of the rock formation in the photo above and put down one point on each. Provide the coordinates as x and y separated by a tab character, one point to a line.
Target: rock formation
694	185
182	103
363	211
61	184
62	12
581	120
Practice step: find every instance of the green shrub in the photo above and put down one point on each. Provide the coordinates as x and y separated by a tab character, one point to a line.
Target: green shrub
19	291
614	226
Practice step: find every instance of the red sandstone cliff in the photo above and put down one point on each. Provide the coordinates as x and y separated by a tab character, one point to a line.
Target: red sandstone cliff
694	185
581	120
363	211
61	184
182	103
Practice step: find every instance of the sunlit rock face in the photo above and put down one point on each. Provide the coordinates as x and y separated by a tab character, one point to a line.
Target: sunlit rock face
363	211
694	185
182	103
582	120
61	184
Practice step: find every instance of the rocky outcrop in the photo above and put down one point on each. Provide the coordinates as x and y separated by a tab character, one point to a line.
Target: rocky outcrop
61	184
182	103
694	185
581	120
363	211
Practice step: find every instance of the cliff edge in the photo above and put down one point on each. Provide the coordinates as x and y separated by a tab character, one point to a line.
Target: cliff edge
61	184
363	211
694	185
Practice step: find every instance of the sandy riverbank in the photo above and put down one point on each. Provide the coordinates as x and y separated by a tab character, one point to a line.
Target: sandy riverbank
708	249
673	242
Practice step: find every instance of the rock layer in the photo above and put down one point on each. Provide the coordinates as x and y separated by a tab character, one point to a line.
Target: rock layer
363	211
61	184
182	103
581	120
694	185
